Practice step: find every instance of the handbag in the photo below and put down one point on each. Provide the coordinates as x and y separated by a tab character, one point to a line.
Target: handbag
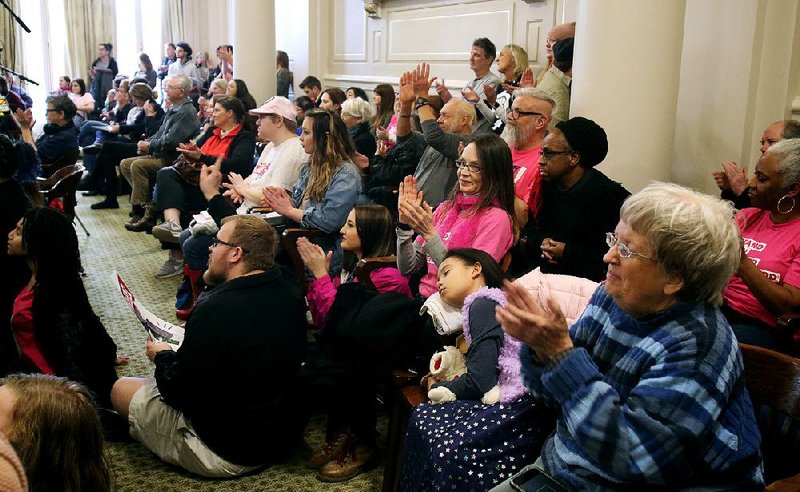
189	170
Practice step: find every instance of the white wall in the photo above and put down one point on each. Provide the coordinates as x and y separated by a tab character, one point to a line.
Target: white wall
353	49
291	35
737	76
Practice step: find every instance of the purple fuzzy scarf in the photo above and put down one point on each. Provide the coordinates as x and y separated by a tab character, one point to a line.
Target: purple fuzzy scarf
510	379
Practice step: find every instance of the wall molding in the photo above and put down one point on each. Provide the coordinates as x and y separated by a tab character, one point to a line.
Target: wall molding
346	80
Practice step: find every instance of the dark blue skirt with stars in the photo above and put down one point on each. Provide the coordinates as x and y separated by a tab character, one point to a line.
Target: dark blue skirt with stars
466	445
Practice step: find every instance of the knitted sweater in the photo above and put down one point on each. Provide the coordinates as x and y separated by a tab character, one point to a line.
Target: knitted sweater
657	401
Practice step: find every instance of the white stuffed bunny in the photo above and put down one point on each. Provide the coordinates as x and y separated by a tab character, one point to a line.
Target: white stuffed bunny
448	365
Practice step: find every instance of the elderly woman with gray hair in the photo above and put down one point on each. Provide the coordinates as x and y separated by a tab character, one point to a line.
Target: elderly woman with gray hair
649	380
357	115
767	280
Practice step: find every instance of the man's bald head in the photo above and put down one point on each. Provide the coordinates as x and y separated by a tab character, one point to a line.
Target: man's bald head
457	116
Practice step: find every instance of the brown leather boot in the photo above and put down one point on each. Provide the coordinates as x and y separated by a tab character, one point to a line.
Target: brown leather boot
329	450
146	223
353	460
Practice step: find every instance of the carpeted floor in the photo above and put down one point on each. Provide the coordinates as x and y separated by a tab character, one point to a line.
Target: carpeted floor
136	256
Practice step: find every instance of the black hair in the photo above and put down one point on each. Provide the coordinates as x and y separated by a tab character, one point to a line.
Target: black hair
64	104
337	95
243	94
80	83
489	49
185	46
358	92
310	82
282	59
107	46
305	103
492	273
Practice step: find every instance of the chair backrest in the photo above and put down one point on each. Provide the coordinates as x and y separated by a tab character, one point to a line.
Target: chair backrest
69	158
773	381
66	187
365	266
289	244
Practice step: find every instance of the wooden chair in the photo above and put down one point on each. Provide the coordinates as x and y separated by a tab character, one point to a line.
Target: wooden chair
70	158
64	184
289	239
366	266
773	381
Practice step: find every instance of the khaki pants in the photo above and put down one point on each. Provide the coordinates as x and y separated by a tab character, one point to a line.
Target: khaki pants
166	432
138	171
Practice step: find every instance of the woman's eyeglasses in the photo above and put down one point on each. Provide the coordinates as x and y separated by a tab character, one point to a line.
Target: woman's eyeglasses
623	249
471	168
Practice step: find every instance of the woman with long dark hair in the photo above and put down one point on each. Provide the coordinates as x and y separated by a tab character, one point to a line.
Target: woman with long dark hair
146	70
285	78
478	214
383	98
330	371
329	185
238	89
54	325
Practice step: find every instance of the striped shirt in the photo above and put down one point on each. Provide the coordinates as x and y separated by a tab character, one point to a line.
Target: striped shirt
658	401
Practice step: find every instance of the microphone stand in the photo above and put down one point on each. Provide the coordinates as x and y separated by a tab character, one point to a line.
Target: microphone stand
15	16
21	77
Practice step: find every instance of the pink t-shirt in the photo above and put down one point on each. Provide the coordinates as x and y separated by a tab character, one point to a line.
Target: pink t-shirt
526	175
493	233
775	249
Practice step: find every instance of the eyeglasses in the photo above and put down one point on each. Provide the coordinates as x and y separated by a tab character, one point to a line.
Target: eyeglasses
548	154
217	241
471	168
623	249
48	110
516	113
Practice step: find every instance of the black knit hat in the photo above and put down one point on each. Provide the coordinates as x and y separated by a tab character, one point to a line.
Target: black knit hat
587	138
562	50
185	46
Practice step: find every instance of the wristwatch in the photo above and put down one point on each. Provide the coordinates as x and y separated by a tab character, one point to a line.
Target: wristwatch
421	101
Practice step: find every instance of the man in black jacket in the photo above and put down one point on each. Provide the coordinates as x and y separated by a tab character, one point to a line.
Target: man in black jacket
221	405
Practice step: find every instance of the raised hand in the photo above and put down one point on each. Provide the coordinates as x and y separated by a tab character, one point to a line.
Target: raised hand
211	179
421	80
527	79
382	148
470	94
442	90
406	93
490	91
418	216
736	176
314	258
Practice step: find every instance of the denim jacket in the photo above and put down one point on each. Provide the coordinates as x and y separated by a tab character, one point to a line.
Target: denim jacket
329	214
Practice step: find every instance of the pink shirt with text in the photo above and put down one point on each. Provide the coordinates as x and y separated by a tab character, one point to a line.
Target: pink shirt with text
775	249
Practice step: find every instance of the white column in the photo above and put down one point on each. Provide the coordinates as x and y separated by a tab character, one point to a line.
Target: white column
253	40
625	77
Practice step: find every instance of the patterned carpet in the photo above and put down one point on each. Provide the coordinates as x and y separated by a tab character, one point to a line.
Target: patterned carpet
136	256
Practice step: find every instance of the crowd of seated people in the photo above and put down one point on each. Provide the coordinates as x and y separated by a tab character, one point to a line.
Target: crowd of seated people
643	388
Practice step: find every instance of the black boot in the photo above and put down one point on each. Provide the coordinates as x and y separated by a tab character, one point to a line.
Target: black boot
136	213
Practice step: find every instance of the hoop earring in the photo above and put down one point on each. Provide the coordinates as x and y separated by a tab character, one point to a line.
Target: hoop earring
790	208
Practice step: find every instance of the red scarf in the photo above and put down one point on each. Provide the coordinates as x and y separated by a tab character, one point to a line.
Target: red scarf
217	145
